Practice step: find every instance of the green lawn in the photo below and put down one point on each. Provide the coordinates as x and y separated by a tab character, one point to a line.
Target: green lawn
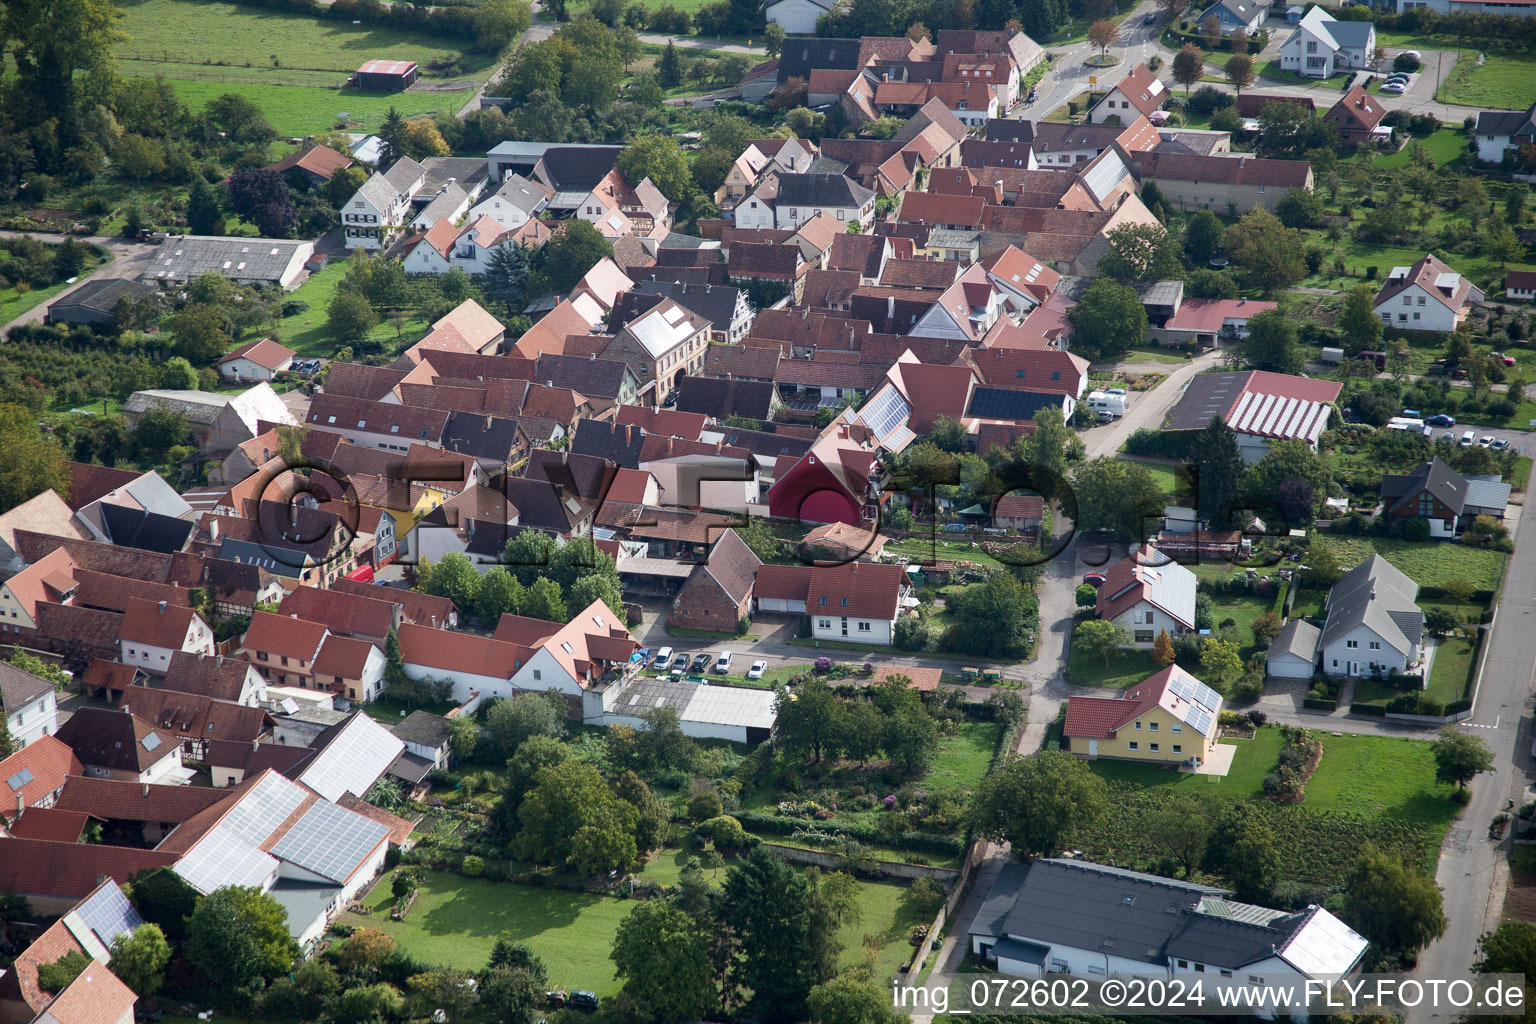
1163	472
1506	80
307	333
1448	148
1254	759
1271	70
1450	673
211	34
455	921
1126	667
962	759
298	110
1366	775
1428	565
13	303
1146	353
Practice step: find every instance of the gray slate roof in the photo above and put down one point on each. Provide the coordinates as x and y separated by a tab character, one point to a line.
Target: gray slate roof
1380	596
18	688
821	190
184	257
1298	638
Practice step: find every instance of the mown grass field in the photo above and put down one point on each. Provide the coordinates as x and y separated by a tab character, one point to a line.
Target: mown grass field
1366	788
962	759
210	33
1506	81
308	334
300	111
1126	667
455	921
1447	147
1428	565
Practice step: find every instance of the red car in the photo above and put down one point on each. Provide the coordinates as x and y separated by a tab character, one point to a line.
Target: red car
1094	578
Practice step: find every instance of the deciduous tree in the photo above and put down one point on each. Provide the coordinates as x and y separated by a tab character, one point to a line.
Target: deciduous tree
139	959
1109	320
1143	252
1034	803
1103	34
1460	758
1188	66
662	956
1394	905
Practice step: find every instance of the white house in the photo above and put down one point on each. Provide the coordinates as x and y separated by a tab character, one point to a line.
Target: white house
1500	130
576	655
1074	917
798	16
152	631
1135	96
474	245
1507	8
1428	296
427	736
514	204
1322	45
801	197
857	602
1146	593
451	527
256	360
1520	285
382	206
478	668
1374	627
28	703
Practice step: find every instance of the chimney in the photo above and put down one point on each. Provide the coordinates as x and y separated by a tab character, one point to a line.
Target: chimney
125	709
162	607
146	789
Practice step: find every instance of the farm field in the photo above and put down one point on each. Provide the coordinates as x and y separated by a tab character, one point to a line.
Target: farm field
300	111
1506	81
1366	788
455	921
212	34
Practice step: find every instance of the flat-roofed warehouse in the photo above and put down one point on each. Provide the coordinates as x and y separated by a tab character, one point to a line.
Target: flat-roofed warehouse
183	258
386	75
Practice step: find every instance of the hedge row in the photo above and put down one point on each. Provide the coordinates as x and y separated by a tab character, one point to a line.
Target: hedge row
1319	704
916	842
1378	710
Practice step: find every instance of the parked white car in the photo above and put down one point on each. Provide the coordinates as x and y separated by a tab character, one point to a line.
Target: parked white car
723	663
757	670
663	657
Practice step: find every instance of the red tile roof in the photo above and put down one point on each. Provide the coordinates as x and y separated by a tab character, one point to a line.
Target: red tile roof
36	867
322	161
866	590
1019	506
53	824
343	657
146	622
924	679
207	675
348	614
668	422
21	980
50	763
265	353
96	996
941	208
423	609
284	634
460	652
191	716
1130	581
133	801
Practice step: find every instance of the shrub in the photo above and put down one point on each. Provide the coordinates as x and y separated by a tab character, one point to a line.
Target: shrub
472	866
823	665
1208	99
1405	62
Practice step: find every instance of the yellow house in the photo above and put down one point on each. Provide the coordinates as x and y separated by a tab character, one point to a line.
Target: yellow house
1168	718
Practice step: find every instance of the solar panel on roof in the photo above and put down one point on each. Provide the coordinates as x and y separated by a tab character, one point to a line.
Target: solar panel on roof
331	841
20	779
151	741
260	811
108	914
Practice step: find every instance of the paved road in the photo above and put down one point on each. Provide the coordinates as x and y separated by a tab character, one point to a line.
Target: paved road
128	260
1472	869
